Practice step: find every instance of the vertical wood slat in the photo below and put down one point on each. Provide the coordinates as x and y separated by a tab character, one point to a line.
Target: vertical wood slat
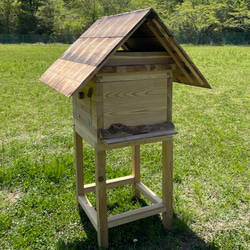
136	169
169	97
101	198
167	183
79	167
99	105
167	165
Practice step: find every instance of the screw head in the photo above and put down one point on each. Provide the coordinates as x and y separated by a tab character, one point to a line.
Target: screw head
100	179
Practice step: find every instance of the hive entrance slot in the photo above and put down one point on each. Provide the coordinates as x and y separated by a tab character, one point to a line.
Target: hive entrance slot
118	132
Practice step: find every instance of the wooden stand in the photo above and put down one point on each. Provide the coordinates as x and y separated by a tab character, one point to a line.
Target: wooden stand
98	217
131	87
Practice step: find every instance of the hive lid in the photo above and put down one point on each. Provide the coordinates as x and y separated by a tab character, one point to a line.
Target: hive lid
140	30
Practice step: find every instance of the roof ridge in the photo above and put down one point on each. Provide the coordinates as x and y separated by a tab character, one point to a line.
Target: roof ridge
126	13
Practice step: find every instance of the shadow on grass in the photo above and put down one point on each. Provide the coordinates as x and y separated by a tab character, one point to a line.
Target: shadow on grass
147	233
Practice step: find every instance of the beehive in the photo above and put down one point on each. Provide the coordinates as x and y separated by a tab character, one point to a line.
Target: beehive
120	74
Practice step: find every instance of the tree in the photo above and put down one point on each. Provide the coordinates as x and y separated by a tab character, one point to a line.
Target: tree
110	7
239	16
46	17
8	9
69	18
27	21
193	19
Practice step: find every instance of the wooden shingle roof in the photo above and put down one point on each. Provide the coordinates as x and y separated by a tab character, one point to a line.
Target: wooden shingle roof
140	30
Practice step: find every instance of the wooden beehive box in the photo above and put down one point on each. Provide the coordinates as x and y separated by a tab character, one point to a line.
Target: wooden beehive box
129	91
120	74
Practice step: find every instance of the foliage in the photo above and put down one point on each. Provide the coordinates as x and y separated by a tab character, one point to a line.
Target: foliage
193	19
72	17
211	158
239	15
26	19
8	10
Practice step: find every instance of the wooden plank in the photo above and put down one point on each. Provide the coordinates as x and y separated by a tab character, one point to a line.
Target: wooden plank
116	182
88	133
164	43
66	76
133	76
137	214
101	198
169	97
135	70
141	54
134	102
82	108
136	170
91	50
78	166
99	106
102	145
116	25
144	137
148	193
88	209
112	183
138	58
167	183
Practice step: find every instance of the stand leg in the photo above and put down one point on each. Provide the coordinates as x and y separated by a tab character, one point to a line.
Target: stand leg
136	169
167	183
79	167
101	198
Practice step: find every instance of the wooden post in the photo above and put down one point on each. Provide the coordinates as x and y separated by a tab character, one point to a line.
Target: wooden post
167	165
167	183
101	198
136	170
79	167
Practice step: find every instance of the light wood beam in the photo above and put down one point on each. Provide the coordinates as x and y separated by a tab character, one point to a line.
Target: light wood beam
167	183
101	198
137	214
88	209
136	169
79	166
112	183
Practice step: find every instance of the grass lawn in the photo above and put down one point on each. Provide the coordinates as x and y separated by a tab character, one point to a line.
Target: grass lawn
211	160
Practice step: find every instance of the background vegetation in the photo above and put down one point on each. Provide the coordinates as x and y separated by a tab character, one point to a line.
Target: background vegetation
190	20
211	160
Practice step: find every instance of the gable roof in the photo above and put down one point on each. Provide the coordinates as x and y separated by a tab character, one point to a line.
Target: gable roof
140	30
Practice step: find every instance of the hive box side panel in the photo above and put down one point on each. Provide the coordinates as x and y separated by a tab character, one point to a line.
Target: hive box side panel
136	102
84	112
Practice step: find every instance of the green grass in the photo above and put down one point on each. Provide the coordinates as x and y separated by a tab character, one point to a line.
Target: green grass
211	175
